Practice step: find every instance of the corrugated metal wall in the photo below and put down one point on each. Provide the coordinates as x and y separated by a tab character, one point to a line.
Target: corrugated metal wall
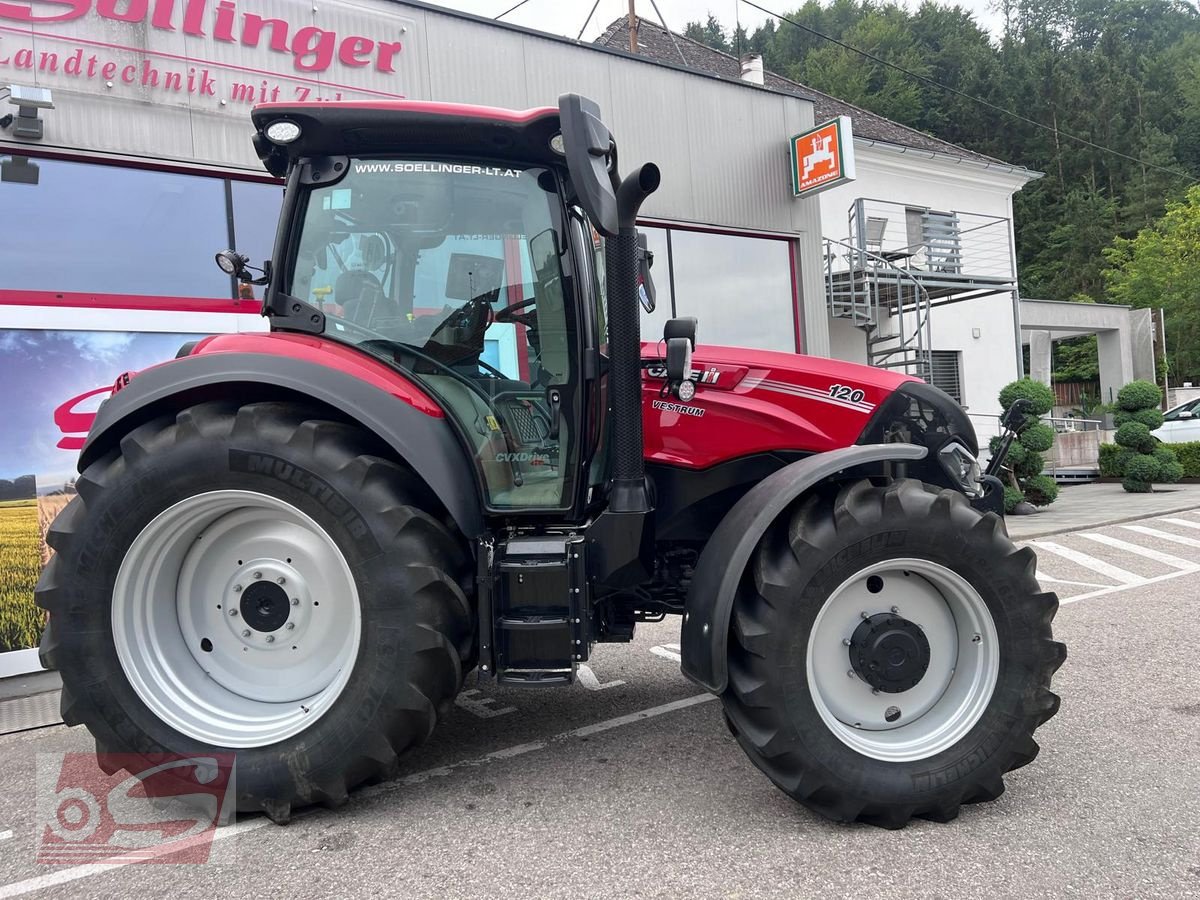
722	146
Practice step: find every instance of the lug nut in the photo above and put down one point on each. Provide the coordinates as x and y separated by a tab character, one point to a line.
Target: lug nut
895	610
290	626
270	638
281	580
295	601
846	642
245	632
258	574
237	588
850	672
864	615
233	612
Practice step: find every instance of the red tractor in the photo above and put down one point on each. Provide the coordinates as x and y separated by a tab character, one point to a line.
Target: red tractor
453	453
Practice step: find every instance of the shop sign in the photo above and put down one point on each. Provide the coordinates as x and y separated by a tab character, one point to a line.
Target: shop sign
822	157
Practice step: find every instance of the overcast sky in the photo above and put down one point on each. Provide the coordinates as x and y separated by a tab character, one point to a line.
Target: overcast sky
567	16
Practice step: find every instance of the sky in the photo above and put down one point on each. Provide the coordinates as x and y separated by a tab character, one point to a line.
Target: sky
567	16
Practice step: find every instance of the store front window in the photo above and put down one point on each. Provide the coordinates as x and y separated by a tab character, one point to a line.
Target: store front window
77	227
740	287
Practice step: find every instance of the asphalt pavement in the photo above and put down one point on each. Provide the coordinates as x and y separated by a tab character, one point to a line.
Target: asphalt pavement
628	785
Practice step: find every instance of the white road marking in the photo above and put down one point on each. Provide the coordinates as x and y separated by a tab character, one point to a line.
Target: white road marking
480	706
1186	523
1166	559
1117	588
75	873
1099	566
667	651
586	677
1163	535
5	835
1041	577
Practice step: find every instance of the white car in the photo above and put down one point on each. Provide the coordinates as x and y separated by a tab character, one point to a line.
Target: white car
1181	424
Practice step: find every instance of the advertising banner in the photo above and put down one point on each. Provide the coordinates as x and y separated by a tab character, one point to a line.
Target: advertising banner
55	381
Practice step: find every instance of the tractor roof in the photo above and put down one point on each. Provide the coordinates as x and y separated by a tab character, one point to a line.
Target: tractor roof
406	127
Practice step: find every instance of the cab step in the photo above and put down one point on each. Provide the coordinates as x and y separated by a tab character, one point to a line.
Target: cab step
534	617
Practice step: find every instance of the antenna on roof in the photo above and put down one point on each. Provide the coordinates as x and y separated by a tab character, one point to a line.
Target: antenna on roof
669	32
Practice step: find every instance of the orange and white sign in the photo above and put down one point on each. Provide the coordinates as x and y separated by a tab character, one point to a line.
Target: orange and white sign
823	157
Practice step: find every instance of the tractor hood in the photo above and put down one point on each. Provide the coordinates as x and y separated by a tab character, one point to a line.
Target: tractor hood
758	401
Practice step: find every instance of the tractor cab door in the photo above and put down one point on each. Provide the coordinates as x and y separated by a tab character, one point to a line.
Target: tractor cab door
454	273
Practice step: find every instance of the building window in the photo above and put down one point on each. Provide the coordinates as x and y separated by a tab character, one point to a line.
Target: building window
105	229
946	372
255	218
739	287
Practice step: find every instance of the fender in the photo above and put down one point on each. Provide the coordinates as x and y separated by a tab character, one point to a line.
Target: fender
709	607
425	442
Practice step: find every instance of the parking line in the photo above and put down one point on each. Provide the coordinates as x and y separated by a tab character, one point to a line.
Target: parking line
75	873
1186	523
1099	566
1043	577
1157	555
5	835
666	652
1163	535
1118	588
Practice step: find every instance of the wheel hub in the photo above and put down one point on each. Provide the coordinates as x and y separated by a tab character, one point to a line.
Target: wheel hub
265	606
889	653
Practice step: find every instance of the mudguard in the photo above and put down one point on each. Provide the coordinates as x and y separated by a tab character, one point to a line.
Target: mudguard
425	442
710	600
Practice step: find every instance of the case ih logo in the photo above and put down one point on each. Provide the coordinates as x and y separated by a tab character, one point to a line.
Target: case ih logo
823	157
166	813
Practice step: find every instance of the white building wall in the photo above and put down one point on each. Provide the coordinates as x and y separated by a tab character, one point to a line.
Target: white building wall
915	178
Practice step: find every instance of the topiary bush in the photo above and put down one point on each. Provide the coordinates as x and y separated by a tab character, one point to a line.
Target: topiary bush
1142	460
1025	461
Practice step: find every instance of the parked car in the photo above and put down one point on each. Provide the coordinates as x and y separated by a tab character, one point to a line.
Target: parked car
1181	424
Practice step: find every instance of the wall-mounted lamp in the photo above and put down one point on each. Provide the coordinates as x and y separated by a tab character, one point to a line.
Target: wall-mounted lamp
29	102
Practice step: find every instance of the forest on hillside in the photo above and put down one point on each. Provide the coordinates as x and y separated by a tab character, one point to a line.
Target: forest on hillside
1114	89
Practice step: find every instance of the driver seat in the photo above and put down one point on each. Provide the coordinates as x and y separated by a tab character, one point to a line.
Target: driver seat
359	294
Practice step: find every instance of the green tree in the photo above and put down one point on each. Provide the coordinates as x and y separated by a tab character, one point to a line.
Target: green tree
1160	267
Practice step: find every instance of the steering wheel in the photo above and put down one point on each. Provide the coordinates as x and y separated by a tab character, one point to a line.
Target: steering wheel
512	313
377	342
473	317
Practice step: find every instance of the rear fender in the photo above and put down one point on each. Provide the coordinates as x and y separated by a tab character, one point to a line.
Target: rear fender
423	440
710	600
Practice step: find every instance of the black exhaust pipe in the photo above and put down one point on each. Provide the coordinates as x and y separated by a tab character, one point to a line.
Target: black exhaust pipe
628	494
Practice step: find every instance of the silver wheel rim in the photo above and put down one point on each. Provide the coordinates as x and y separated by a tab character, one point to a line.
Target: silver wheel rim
201	631
954	692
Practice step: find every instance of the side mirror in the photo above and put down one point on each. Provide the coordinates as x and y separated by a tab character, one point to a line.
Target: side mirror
679	368
591	160
646	292
1014	419
1185	414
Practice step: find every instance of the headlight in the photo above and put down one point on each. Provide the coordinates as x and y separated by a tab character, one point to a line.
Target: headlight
961	466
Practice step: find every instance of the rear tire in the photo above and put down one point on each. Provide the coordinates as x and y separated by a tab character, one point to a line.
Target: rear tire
970	683
319	697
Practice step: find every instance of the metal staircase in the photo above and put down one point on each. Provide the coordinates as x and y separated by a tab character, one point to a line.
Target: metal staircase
886	301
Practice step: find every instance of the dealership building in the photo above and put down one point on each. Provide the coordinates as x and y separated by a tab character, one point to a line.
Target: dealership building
127	162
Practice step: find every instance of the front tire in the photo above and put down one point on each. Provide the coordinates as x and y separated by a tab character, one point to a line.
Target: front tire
254	579
890	654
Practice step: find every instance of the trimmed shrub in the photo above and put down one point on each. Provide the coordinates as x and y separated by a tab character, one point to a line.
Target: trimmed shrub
1151	418
1041	490
1189	457
1170	470
1142	468
1139	395
1025	460
1136	487
1136	436
1038	438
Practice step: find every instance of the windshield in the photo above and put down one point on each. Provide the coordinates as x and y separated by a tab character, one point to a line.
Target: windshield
452	272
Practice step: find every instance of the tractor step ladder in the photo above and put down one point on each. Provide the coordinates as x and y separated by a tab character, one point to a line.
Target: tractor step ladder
539	617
